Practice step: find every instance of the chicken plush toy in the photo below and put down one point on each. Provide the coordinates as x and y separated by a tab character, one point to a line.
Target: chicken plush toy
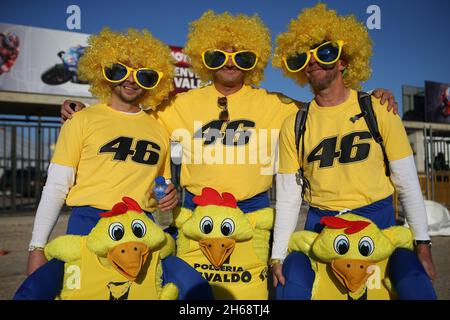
229	247
349	257
126	256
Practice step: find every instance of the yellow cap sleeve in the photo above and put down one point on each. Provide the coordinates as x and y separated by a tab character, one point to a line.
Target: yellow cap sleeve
70	143
395	138
289	160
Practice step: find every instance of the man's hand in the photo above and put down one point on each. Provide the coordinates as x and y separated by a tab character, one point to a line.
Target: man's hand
69	107
277	274
424	254
386	95
170	200
36	259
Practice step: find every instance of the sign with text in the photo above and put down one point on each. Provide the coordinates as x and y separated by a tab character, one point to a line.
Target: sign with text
38	60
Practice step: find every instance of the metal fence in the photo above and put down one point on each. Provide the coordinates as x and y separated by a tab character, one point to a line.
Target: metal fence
25	153
435	179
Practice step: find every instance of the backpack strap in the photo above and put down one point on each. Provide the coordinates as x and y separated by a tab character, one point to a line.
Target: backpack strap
300	127
365	103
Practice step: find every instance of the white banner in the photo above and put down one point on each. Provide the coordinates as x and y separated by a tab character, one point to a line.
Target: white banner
40	60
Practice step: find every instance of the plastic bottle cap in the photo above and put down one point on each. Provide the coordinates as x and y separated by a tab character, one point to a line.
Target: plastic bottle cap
160	180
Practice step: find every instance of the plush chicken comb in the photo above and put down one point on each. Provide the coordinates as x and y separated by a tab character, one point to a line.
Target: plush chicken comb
122	207
210	196
339	223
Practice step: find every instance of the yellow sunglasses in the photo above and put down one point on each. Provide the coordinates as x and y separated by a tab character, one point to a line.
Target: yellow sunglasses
216	59
326	53
146	78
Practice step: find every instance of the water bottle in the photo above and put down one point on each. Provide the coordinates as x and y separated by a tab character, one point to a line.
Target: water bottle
163	218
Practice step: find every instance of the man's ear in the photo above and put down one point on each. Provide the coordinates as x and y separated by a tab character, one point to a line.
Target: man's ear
180	215
342	65
302	241
400	237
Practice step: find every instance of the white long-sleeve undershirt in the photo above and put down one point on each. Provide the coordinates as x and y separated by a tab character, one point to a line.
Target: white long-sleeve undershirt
59	181
403	176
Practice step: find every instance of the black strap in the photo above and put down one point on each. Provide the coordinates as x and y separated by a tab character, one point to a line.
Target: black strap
300	128
365	103
300	121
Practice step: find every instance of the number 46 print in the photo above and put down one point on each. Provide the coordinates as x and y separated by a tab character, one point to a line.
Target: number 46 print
145	152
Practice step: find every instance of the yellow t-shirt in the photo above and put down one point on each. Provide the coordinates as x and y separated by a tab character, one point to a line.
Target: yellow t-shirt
88	279
236	157
114	154
343	163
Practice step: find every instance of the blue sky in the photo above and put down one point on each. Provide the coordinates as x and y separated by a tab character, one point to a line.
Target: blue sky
412	45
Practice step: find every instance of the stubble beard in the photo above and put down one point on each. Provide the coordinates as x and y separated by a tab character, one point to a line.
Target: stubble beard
324	82
126	98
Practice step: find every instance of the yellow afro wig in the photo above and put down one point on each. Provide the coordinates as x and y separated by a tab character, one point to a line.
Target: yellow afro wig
135	49
218	31
317	24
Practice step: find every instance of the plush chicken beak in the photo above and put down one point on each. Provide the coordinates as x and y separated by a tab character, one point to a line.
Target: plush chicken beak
128	258
351	273
217	250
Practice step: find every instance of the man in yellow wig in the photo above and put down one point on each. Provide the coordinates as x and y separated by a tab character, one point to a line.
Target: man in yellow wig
114	148
229	133
339	162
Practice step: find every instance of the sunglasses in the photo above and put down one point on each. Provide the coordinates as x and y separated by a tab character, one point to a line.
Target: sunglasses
326	53
145	78
222	102
216	59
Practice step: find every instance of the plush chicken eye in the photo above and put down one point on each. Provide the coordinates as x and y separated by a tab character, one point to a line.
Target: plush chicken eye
206	225
116	231
341	244
138	228
227	227
366	246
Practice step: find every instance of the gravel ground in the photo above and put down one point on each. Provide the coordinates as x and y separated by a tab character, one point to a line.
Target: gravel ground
15	233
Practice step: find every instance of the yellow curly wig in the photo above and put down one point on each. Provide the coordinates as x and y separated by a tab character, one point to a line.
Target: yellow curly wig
135	49
215	31
318	24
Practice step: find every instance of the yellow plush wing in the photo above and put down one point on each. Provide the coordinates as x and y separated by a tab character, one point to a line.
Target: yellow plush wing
169	247
263	218
169	292
400	237
302	241
180	215
65	248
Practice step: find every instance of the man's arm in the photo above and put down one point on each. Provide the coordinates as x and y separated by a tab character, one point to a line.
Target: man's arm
289	197
406	182
289	200
59	180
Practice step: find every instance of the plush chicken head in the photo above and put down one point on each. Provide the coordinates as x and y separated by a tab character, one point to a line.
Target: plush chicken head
351	244
126	237
217	224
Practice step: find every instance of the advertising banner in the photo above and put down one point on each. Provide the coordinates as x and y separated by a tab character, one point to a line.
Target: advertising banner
37	60
437	102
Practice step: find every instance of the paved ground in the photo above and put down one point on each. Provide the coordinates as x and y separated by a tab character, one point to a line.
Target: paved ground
15	233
